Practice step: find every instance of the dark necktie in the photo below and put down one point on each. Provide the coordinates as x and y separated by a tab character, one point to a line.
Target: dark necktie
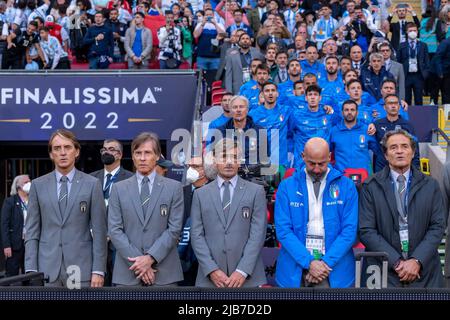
412	51
63	194
226	198
403	31
145	194
402	191
316	185
107	186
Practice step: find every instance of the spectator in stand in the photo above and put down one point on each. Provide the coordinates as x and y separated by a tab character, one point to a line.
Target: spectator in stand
442	68
227	14
118	29
373	75
55	56
138	43
188	38
324	27
100	41
118	4
206	30
398	29
413	55
18	47
169	37
395	68
255	15
238	24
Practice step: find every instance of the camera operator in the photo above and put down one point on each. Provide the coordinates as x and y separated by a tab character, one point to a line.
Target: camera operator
169	37
357	30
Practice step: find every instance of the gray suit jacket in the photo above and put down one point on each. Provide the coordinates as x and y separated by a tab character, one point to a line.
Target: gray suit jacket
399	74
156	235
233	69
231	245
446	183
51	237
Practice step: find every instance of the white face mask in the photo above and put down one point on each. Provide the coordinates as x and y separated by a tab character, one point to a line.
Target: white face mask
192	175
26	187
412	35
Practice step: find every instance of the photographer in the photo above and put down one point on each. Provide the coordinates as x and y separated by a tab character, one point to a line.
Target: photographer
206	30
357	30
169	38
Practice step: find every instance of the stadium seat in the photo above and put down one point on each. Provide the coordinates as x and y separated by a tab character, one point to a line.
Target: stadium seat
217	97
356	175
216	85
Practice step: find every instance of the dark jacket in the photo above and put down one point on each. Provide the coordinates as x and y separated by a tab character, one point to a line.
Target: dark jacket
383	125
250	124
102	47
371	82
12	223
122	175
395	30
423	59
379	225
440	64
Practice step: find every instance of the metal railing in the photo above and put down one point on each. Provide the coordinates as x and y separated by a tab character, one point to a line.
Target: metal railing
435	139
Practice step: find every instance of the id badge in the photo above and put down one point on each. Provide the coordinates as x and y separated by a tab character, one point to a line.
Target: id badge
404	240
315	246
413	65
246	75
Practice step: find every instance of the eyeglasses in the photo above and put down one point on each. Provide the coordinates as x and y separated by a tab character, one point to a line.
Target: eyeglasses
111	149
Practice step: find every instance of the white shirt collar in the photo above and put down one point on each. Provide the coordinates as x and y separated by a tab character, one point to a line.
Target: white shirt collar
114	172
233	181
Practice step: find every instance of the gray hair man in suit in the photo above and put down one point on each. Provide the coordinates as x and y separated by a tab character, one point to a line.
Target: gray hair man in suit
145	217
401	212
66	222
229	225
111	156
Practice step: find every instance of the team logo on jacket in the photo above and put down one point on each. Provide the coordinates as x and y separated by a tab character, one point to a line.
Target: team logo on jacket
246	212
83	206
324	121
362	139
334	191
281	118
365	115
163	209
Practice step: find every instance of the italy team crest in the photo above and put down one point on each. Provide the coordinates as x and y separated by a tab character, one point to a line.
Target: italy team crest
334	191
362	139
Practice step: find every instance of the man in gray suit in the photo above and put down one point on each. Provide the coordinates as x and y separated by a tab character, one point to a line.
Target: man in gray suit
395	68
66	221
238	62
111	156
145	217
446	183
229	225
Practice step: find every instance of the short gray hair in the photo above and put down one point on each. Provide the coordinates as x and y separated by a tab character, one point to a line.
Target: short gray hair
376	55
17	183
116	141
239	98
394	132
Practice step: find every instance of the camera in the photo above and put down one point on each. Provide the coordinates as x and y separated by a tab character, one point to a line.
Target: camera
208	19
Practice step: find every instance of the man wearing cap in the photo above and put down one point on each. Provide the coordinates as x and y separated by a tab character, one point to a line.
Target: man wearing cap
163	165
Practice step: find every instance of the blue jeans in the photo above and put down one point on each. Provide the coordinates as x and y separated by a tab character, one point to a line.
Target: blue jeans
208	63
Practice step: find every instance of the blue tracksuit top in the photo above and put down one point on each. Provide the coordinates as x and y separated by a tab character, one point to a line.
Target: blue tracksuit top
351	146
306	124
379	106
340	218
276	118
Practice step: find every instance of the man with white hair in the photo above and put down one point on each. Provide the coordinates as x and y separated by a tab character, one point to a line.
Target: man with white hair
14	213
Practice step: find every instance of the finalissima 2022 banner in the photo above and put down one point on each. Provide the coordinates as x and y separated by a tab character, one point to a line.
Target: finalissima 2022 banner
95	106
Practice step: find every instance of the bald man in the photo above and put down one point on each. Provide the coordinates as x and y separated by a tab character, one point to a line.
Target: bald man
316	218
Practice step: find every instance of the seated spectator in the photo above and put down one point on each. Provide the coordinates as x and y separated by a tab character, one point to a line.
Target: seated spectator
138	43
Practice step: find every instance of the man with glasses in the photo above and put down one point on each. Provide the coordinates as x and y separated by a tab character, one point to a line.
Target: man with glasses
111	156
395	68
